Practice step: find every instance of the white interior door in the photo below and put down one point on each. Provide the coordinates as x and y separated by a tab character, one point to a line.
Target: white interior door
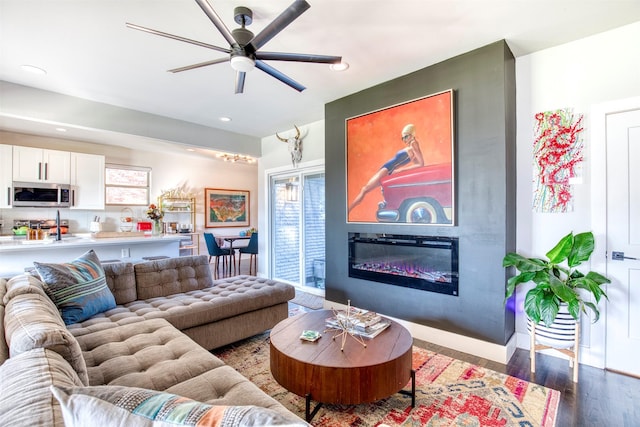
623	242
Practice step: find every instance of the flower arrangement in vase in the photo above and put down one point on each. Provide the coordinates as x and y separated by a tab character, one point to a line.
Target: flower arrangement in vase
155	214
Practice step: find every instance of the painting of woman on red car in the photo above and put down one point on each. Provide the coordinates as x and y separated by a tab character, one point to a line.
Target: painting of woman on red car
406	151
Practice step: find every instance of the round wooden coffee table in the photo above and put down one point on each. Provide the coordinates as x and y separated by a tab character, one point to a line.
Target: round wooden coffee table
320	371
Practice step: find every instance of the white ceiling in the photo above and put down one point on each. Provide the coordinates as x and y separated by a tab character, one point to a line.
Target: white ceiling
89	53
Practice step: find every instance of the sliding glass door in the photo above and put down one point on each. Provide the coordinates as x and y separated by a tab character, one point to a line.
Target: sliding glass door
297	228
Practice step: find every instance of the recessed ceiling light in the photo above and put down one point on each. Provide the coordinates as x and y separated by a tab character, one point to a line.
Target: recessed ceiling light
225	119
61	129
190	149
339	67
33	69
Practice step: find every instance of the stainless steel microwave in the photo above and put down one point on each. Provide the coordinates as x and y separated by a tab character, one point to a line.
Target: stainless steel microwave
41	195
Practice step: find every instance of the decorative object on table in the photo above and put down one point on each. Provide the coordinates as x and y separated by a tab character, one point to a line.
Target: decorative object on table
448	392
226	208
342	324
557	158
155	214
557	282
310	335
294	143
126	219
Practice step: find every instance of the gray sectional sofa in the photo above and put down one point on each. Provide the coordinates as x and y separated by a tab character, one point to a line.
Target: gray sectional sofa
152	346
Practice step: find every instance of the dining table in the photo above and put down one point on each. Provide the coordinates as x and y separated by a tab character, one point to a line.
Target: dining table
231	239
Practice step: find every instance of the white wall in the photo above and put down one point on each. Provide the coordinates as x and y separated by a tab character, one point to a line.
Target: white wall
576	75
276	159
169	170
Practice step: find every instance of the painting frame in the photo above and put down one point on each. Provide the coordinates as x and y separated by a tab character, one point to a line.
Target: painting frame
226	208
405	151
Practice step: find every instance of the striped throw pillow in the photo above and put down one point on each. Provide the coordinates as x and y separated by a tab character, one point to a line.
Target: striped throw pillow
107	406
78	288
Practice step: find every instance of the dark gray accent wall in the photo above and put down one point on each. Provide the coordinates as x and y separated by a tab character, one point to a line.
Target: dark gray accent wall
484	127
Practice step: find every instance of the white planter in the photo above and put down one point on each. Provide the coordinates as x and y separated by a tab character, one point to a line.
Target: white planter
561	333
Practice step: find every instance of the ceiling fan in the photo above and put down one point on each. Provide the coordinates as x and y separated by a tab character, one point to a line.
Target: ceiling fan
243	51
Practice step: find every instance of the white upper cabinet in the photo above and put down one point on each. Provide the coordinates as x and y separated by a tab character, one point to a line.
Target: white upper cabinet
87	181
41	165
6	155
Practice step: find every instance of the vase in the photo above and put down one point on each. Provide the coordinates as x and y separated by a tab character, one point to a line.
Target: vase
157	228
560	334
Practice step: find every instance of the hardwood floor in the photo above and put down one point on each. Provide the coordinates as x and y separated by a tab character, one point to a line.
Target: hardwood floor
600	398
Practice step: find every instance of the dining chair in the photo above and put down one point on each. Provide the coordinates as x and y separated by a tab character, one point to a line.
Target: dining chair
216	251
252	249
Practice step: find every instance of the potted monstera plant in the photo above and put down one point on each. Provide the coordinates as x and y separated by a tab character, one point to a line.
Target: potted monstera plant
560	289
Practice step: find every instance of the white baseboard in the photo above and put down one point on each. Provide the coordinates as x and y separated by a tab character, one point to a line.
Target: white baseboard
495	352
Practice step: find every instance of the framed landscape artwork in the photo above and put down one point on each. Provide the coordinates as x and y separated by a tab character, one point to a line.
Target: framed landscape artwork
226	208
399	163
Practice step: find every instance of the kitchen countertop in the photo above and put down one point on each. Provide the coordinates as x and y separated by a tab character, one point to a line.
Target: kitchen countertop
17	255
11	244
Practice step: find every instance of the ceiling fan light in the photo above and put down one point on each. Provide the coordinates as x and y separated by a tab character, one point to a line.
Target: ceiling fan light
242	63
340	66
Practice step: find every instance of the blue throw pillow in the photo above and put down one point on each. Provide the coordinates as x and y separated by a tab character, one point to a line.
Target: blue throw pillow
78	288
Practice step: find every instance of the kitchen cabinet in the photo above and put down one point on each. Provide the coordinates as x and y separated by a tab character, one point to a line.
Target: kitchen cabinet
41	165
87	181
6	177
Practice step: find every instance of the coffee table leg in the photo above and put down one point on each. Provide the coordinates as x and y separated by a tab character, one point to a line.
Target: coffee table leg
308	414
411	393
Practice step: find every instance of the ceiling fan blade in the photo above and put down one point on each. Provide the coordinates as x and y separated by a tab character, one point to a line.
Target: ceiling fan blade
174	37
240	75
278	75
298	57
213	16
297	8
201	64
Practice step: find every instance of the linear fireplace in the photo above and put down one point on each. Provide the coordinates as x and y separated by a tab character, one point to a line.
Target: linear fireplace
421	262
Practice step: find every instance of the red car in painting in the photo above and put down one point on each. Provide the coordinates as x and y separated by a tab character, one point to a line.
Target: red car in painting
421	195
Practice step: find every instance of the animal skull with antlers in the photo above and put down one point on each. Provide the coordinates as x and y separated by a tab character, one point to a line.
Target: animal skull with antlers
295	146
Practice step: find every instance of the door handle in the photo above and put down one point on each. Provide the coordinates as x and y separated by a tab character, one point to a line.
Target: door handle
619	256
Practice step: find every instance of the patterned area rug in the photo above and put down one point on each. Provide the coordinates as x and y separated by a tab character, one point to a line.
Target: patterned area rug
449	392
308	300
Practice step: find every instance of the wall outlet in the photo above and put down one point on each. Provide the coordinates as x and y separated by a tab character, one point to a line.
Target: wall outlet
125	253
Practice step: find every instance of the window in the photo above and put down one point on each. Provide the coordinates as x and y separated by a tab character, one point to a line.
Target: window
127	185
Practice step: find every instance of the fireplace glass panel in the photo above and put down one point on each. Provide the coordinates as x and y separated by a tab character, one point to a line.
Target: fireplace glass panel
419	262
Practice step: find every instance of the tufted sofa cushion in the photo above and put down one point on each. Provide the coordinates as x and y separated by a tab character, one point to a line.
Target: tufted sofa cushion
149	354
121	280
225	386
32	321
225	298
23	284
25	398
172	276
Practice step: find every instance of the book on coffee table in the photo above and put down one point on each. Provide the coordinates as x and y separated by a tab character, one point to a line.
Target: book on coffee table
370	331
